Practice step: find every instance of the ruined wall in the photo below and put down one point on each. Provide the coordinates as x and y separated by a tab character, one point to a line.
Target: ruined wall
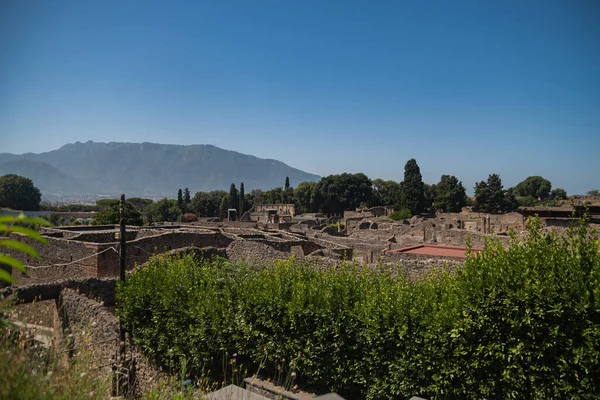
51	273
139	250
417	265
59	251
95	328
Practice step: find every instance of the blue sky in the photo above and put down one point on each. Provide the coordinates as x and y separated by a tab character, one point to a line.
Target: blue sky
466	88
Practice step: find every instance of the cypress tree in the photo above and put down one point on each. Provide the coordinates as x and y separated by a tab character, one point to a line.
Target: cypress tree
242	194
180	199
234	200
412	188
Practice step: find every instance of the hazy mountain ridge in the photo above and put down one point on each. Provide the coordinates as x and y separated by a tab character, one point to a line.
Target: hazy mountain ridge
146	169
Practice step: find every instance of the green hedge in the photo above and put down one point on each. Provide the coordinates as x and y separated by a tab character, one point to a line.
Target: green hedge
523	323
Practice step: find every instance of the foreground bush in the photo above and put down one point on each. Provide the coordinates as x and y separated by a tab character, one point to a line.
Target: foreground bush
522	323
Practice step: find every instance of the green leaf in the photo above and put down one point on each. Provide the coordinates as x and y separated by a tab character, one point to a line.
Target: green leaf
5	276
20	246
26	231
7	218
32	220
13	262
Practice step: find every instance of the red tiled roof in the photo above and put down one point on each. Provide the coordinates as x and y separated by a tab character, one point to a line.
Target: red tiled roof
436	250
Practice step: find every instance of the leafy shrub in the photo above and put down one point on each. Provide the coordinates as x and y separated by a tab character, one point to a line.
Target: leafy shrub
523	322
338	225
189	217
401	214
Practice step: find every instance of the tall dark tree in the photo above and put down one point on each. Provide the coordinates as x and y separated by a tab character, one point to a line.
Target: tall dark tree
242	199
412	187
490	195
335	194
234	199
450	194
18	193
534	186
180	199
186	196
223	208
287	183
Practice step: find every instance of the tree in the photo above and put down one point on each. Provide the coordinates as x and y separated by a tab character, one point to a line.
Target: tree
234	199
242	199
338	193
558	194
450	194
534	186
164	210
18	193
139	204
180	203
385	193
186	196
593	192
412	188
257	196
206	204
428	196
489	195
302	197
111	215
287	183
223	208
273	196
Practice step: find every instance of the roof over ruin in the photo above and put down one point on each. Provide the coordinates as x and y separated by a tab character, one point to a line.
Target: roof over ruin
435	250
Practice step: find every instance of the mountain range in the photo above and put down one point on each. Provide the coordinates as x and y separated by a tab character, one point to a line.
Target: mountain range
146	169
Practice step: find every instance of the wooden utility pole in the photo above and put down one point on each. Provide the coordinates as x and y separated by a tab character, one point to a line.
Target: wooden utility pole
120	385
123	240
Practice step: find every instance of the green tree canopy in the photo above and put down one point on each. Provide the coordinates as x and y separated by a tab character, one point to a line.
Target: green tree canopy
273	196
385	193
450	194
110	214
139	204
413	190
206	204
302	197
18	193
489	195
164	210
593	192
338	193
558	194
186	196
534	186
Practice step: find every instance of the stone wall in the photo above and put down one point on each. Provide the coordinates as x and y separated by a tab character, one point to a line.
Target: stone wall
417	265
40	274
58	251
